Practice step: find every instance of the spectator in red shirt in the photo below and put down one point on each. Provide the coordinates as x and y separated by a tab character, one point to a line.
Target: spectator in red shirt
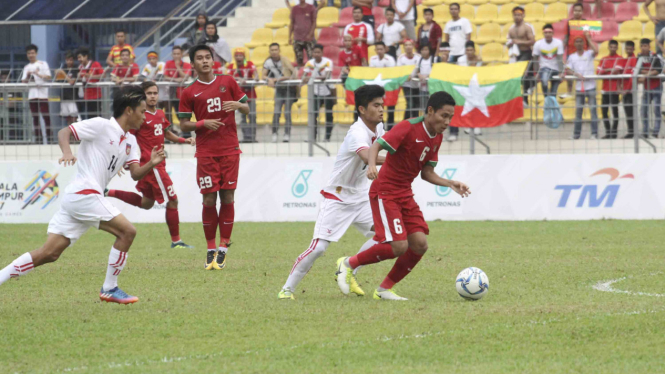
127	71
610	65
366	6
362	32
351	55
629	64
301	30
243	70
430	32
113	58
89	72
175	71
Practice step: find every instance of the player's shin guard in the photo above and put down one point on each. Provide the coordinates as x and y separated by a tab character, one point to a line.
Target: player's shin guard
227	214
130	198
117	261
377	253
403	266
173	222
304	262
21	266
210	222
368	244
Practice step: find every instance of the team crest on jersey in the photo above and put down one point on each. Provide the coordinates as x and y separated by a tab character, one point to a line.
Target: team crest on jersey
128	148
338	189
222	89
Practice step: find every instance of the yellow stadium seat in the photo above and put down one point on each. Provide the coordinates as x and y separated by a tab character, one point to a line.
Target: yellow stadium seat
604	50
649	30
325	17
642	17
476	2
441	14
474	32
500	2
468	11
421	17
506	14
282	36
489	33
486	13
547	1
568	1
523	2
504	34
534	12
431	3
555	13
264	111
281	18
538	27
629	30
260	37
289	53
493	52
259	55
264	92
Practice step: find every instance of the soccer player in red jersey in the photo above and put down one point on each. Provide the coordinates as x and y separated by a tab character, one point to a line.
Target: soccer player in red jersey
213	99
401	230
156	186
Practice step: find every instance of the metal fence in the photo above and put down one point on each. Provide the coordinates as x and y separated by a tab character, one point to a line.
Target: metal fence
295	120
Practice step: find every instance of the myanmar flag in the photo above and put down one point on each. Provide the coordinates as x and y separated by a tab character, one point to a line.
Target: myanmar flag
391	79
485	96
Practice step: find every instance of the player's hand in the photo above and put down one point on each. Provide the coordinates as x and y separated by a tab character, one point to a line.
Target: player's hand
461	188
67	160
157	155
372	173
231	106
121	172
191	141
212	124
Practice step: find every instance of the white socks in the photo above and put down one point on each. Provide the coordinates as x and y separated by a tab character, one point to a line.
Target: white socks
368	244
21	266
117	261
305	261
223	249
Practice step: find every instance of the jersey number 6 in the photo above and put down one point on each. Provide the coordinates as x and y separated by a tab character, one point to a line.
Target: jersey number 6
422	156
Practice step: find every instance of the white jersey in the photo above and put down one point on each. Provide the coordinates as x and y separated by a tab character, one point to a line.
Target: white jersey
104	149
386	62
348	181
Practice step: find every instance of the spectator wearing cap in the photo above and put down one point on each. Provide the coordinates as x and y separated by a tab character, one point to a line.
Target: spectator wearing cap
243	70
37	72
444	51
406	15
391	33
430	32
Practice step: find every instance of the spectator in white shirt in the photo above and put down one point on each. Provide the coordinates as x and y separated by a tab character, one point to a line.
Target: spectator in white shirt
391	33
580	64
37	72
410	87
470	57
154	71
406	15
320	68
423	70
444	51
457	32
383	60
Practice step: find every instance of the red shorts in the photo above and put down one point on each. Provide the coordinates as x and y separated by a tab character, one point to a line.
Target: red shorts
157	185
396	218
217	173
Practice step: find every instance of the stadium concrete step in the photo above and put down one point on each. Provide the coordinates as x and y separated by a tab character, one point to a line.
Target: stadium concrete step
240	27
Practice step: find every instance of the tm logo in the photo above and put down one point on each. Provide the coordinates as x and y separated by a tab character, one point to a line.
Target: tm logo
445	191
589	192
300	186
42	187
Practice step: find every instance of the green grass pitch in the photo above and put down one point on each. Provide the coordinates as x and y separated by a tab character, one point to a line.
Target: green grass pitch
541	314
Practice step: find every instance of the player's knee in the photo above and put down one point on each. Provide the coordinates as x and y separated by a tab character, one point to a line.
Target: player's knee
209	200
419	246
129	233
400	247
49	255
147	204
172	204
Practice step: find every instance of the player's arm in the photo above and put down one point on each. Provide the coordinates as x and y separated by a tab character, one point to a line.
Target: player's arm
364	155
156	157
372	159
170	136
109	60
68	157
232	106
429	175
211	124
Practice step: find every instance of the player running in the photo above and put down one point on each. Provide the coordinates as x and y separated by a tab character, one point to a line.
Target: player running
400	227
214	99
156	186
345	201
106	145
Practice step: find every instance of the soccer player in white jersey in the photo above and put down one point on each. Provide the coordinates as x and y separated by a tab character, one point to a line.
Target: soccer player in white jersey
106	146
346	197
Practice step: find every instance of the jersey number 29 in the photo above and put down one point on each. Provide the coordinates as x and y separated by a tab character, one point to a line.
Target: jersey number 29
214	105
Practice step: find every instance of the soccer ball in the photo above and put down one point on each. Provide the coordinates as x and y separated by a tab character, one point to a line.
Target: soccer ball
472	283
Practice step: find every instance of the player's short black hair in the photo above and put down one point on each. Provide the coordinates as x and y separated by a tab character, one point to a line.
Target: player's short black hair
518	8
548	26
196	48
147	84
425	46
120	31
273	45
438	99
470	44
645	41
389	9
613	42
69	54
126	50
444	45
176	47
428	10
631	43
31	47
83	51
578	5
318	46
380	43
129	96
357	8
365	94
454	4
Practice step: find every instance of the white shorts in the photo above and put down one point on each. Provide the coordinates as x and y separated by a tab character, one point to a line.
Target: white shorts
335	217
78	213
68	109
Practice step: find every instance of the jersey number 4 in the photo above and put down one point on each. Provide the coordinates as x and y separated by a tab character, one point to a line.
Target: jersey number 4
113	162
214	105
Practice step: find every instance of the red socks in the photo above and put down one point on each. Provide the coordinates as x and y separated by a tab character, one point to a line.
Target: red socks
130	198
210	225
403	266
227	213
376	253
173	222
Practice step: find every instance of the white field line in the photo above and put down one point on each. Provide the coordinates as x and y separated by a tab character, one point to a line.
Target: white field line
607	287
383	339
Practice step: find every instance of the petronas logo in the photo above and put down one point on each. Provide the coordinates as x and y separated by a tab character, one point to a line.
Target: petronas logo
448	174
300	186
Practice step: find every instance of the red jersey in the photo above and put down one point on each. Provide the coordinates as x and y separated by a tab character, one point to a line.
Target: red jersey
205	100
114	53
124	71
605	67
171	71
151	134
245	71
410	147
217	68
93	68
354	57
361	30
629	63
